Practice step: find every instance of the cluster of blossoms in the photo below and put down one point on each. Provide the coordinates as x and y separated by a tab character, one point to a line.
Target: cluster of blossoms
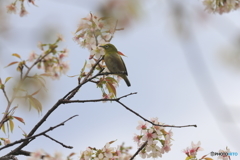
92	31
221	6
224	157
106	153
158	140
40	154
5	141
52	63
12	8
191	152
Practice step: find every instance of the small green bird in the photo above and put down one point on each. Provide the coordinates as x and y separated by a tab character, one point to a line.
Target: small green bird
114	62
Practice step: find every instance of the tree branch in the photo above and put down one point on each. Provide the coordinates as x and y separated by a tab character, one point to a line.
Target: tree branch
70	147
152	122
139	149
5	94
71	94
27	140
19	85
64	101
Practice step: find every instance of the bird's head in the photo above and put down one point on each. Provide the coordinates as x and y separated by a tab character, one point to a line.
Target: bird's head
109	48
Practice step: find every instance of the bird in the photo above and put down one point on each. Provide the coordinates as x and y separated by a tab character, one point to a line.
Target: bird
114	62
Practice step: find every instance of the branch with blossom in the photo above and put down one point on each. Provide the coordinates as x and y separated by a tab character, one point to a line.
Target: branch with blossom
192	151
221	6
37	135
50	60
14	6
65	101
156	139
92	31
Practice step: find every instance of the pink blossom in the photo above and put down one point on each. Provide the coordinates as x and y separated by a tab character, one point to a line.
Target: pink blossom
192	151
32	56
143	154
142	125
149	135
64	53
23	12
60	37
11	8
36	155
108	151
224	157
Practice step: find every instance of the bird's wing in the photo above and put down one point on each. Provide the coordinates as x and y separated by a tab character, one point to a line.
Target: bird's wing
123	66
115	63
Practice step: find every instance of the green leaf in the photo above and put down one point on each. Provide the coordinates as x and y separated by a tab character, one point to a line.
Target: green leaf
35	103
12	63
40	80
24	133
7	79
103	18
83	69
111	88
16	55
112	141
35	93
19	119
45	74
11	124
73	76
110	79
3	128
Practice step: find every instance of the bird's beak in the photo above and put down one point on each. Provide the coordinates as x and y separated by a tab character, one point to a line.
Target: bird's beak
101	46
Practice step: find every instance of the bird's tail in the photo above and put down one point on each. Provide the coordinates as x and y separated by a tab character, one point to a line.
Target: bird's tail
126	80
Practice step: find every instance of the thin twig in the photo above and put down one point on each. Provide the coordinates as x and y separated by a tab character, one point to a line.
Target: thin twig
23	152
5	94
19	85
26	140
70	147
139	149
64	101
21	74
94	81
71	94
113	31
26	65
152	122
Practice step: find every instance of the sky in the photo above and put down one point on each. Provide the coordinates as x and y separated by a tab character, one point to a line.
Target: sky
181	66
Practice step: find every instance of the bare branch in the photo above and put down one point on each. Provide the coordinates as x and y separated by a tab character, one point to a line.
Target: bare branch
5	94
95	100
64	101
70	147
152	122
71	94
27	140
19	85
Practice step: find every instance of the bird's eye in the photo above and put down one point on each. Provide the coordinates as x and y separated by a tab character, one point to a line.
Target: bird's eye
106	46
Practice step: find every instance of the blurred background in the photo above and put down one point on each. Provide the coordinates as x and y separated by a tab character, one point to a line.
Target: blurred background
183	62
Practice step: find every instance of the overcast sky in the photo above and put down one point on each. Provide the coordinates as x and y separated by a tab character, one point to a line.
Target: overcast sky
180	79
